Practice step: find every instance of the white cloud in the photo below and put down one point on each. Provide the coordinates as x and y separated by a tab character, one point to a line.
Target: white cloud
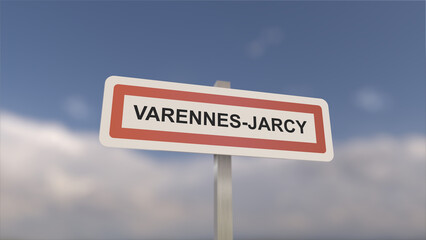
76	107
371	100
266	39
374	188
60	184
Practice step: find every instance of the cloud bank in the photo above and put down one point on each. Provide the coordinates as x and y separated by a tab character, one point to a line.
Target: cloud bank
60	184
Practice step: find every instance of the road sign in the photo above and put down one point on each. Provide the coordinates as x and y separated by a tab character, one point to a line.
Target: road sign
158	115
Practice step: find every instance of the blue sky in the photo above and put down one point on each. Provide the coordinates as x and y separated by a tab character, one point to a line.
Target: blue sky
56	51
366	59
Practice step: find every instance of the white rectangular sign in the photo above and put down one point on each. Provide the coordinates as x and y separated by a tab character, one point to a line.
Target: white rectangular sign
157	115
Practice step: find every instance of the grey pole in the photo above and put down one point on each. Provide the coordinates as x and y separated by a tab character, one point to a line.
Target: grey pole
222	190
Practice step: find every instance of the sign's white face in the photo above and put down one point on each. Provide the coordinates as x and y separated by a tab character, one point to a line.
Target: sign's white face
156	115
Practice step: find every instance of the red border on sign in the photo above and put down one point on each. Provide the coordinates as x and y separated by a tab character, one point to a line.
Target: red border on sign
117	131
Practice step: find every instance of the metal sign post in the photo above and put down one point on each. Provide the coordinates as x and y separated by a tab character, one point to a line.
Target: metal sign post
222	190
